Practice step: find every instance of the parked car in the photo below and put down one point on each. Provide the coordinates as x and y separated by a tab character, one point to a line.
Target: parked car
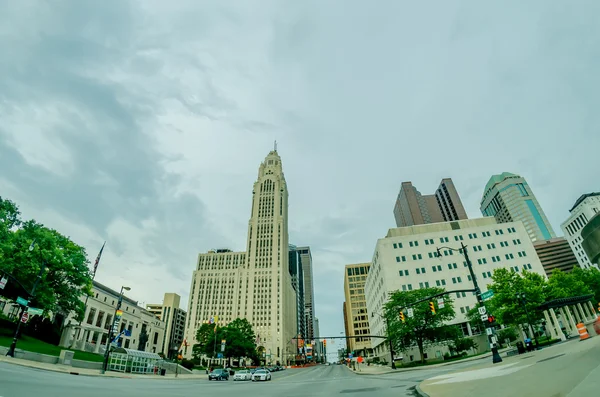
261	374
219	374
242	374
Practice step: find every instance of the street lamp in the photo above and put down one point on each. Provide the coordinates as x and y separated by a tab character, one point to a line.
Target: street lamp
13	345
110	331
522	298
389	338
463	250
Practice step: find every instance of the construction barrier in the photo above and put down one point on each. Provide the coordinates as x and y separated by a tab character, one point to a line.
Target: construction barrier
583	334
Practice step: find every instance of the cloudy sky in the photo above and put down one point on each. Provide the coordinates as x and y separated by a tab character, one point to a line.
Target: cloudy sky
143	123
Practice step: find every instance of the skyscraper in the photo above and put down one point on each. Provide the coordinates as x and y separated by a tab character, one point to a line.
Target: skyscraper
309	291
508	198
413	208
295	263
256	284
174	319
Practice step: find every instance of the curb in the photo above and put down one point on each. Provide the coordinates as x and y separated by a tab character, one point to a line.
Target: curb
420	392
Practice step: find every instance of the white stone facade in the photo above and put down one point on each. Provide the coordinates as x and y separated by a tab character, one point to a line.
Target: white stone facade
585	208
405	260
92	333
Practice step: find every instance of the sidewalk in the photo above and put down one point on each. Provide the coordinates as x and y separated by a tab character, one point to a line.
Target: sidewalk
566	369
380	370
67	369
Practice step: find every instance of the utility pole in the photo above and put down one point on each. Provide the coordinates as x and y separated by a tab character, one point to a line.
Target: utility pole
110	331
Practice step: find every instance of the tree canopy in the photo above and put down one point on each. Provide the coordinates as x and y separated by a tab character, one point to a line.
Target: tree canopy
238	335
67	275
424	327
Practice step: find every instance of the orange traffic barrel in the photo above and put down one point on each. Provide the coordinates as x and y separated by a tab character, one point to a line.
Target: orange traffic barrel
583	334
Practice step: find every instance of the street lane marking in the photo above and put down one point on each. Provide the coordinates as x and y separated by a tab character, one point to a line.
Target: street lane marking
478	374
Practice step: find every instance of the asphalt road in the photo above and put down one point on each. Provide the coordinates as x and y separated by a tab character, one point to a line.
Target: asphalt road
18	381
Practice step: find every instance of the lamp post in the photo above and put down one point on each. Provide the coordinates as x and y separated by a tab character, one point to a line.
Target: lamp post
389	339
110	331
522	298
463	250
13	345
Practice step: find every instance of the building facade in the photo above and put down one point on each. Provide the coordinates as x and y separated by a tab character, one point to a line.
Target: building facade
555	254
584	209
508	198
413	208
297	273
309	291
357	324
146	331
255	284
591	239
173	316
406	260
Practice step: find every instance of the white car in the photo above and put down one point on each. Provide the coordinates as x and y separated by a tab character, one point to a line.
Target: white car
261	374
243	374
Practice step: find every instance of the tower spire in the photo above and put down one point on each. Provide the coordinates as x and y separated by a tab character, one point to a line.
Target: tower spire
275	146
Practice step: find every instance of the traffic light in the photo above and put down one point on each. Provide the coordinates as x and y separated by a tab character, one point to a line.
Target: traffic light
324	342
432	307
599	306
491	319
402	317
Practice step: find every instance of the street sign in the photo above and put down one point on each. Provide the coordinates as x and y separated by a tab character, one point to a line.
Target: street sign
3	282
487	294
22	301
484	317
34	311
440	302
410	312
489	331
24	317
482	310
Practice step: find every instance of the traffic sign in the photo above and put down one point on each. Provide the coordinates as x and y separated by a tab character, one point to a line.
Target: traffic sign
3	282
22	301
24	317
440	303
484	317
410	312
482	310
360	359
489	331
487	294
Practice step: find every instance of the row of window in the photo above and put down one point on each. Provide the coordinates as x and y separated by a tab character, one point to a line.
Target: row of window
457	238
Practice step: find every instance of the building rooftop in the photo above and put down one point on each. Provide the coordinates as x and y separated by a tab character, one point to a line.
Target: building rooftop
440	227
583	197
495	179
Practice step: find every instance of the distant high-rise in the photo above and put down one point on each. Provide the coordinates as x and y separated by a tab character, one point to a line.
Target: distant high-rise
295	265
309	291
174	319
584	209
413	208
555	254
508	198
356	317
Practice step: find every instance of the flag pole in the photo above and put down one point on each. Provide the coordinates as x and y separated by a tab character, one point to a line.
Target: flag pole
93	277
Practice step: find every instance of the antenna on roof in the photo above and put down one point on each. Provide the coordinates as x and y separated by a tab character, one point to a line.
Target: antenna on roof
275	145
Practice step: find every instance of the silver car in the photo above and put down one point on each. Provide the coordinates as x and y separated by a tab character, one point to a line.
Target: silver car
261	374
243	374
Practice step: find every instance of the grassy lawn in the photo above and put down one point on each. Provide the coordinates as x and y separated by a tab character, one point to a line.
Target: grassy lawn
37	346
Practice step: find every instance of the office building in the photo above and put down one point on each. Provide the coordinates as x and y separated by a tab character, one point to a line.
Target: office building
357	324
144	331
554	254
174	319
309	291
591	239
508	198
406	260
584	209
413	208
296	271
255	284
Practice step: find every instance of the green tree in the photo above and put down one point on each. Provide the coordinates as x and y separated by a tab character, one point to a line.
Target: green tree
424	327
591	278
564	285
239	337
205	335
67	275
506	306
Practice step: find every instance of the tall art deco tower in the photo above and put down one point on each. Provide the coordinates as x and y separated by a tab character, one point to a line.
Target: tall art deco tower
265	280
